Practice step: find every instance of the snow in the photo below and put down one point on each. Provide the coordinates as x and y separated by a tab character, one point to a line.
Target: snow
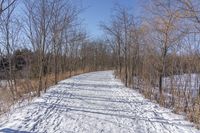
3	83
186	82
93	103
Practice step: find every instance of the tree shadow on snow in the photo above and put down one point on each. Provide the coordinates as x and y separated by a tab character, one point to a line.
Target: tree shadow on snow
95	106
8	130
123	114
116	112
90	85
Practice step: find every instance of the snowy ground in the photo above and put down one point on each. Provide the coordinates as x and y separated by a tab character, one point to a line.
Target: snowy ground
186	82
93	103
3	84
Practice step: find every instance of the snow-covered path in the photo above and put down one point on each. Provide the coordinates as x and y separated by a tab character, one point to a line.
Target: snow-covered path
93	103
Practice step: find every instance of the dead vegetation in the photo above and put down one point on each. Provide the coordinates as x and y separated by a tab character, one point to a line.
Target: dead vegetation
27	89
150	53
43	46
158	53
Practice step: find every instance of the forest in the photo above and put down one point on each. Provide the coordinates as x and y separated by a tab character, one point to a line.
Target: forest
157	54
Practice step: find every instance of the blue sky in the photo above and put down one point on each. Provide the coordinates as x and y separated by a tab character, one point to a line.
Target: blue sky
97	11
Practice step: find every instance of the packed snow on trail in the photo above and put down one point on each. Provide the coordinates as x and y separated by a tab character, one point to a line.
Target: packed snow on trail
95	102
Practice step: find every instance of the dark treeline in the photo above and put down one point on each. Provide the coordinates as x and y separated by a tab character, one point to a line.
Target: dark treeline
91	56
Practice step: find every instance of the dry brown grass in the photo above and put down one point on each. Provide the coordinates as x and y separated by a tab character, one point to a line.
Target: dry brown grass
5	100
26	89
26	86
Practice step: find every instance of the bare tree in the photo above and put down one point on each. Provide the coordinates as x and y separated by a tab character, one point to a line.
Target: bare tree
166	32
39	15
6	4
63	18
9	34
120	30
